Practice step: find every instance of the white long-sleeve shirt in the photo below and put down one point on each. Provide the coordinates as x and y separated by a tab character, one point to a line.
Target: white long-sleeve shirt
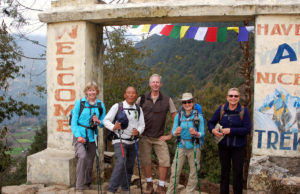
135	122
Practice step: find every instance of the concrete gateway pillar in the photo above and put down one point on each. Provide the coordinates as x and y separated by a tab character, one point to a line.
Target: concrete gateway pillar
73	59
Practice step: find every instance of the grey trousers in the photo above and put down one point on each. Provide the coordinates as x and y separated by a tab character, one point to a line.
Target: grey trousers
85	159
118	177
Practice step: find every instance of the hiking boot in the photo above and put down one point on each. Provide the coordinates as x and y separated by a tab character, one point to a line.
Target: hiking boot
160	190
149	188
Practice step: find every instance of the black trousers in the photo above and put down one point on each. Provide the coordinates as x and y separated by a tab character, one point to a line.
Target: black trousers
236	155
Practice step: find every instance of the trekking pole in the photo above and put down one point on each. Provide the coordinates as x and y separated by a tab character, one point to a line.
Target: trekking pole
196	124
138	161
195	159
124	159
177	150
98	164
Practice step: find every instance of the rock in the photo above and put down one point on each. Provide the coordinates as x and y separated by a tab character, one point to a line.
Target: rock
22	189
266	176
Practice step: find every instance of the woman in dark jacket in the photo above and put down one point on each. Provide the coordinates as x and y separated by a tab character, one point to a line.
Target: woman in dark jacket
236	125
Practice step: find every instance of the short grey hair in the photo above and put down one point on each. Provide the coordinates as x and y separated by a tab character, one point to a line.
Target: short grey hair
233	89
89	85
154	75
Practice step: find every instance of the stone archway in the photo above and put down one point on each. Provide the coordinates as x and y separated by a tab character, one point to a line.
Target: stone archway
75	54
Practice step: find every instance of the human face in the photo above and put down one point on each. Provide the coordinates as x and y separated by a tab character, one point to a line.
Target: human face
233	98
130	95
91	94
155	84
188	105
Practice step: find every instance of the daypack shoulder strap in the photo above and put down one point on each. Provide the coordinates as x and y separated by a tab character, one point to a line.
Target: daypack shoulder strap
82	104
99	105
138	110
120	107
242	112
222	111
179	117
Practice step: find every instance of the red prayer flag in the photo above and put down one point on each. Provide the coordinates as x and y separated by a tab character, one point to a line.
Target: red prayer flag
167	30
211	35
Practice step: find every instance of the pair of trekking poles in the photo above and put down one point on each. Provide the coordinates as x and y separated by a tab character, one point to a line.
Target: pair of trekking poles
124	161
194	140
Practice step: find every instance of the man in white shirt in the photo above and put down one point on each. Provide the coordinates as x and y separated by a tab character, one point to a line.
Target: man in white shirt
124	138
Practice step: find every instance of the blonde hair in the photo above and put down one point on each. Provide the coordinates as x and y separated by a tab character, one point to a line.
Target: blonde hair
154	75
90	85
233	89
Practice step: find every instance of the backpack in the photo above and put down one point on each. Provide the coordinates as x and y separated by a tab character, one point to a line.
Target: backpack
241	112
110	135
82	106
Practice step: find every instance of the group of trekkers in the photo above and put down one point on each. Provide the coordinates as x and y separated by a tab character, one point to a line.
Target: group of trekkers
137	126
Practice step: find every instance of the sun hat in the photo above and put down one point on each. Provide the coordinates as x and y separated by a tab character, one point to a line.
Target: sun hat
187	96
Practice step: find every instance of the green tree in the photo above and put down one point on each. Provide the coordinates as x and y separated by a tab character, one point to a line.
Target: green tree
123	67
10	68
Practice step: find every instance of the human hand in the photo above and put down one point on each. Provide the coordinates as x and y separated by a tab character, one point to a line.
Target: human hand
193	132
178	131
226	131
95	119
165	137
81	140
117	126
135	132
217	132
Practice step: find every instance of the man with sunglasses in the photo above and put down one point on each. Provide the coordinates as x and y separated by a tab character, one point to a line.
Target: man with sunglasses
232	147
155	106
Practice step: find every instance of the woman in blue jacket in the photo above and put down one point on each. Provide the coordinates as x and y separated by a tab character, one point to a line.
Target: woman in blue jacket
236	125
184	128
87	114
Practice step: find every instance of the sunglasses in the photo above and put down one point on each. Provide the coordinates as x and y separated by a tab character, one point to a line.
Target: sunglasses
231	96
189	102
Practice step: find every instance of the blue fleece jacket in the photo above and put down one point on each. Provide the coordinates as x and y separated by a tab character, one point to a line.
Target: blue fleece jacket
84	119
231	119
186	124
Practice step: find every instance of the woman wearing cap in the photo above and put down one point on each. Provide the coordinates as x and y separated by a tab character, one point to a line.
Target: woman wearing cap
236	125
186	129
86	110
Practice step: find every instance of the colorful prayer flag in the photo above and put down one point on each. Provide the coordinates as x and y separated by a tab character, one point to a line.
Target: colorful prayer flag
200	34
175	32
183	31
158	29
191	32
236	29
211	35
222	34
243	34
167	30
152	26
250	28
146	28
135	26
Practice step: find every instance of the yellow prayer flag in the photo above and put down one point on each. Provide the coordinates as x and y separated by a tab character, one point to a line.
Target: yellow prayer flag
146	28
183	30
236	29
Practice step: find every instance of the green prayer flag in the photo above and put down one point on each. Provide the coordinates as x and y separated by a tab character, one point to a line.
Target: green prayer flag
222	34
135	26
175	32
